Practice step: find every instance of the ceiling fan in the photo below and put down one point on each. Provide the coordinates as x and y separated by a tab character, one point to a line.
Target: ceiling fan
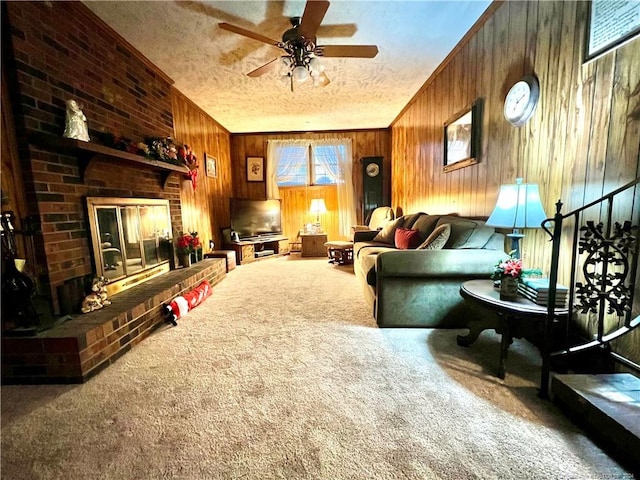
299	42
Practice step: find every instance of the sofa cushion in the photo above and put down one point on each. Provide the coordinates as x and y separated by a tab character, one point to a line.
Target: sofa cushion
409	219
425	224
405	239
437	239
370	248
479	237
461	230
387	234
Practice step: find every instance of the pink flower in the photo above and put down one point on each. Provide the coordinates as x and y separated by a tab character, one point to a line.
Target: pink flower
512	267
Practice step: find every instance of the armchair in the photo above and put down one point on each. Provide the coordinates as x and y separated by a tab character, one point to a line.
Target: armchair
378	219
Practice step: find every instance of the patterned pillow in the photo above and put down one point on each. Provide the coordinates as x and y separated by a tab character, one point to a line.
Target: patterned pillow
387	234
437	239
406	239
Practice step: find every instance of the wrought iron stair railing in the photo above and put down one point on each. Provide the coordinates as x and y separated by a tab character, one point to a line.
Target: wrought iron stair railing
602	254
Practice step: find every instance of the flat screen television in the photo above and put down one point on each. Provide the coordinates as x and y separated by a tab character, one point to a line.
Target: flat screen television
251	218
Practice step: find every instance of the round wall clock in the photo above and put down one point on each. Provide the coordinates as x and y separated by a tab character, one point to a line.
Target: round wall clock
521	101
373	169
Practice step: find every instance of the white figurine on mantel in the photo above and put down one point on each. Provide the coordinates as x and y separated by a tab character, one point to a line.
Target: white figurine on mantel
76	123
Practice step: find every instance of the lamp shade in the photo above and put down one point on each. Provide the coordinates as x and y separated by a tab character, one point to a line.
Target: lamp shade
518	206
318	206
300	73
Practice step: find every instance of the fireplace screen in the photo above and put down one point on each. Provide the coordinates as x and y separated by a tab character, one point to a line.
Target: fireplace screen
131	238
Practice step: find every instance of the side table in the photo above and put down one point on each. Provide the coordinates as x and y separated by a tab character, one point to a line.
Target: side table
514	319
313	244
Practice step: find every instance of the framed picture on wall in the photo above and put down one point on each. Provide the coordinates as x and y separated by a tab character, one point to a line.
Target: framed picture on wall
611	25
255	169
461	138
211	165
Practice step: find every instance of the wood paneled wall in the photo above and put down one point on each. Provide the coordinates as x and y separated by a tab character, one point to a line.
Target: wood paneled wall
205	209
582	142
296	201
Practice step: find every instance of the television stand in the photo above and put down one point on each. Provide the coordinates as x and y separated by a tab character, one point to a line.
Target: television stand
258	248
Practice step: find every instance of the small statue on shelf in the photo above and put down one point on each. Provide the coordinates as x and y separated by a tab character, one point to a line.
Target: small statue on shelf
76	122
98	296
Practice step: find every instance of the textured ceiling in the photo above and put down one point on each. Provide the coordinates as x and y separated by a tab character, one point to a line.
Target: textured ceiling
209	65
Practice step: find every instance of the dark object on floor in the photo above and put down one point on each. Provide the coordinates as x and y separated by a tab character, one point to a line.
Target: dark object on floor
340	253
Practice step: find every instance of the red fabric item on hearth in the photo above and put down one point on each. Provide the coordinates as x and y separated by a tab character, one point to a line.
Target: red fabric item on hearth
406	239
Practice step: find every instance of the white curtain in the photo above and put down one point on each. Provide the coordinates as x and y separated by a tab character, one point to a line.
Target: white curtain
341	150
283	171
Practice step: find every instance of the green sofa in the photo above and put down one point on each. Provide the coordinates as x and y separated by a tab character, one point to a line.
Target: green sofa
420	287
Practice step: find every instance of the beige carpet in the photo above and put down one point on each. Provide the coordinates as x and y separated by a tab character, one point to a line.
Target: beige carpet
282	374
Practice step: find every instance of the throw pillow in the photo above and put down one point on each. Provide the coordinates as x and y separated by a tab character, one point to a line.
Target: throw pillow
405	239
437	239
461	229
387	234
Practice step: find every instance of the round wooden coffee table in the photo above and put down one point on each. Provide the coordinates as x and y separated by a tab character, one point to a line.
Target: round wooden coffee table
516	318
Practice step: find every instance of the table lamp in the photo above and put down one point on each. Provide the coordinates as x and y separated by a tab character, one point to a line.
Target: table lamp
318	207
518	207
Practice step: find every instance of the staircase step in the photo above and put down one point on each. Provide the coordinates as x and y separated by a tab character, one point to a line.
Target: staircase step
607	406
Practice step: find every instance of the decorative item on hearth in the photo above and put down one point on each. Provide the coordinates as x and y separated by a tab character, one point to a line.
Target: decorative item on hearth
510	273
190	161
97	298
76	122
518	207
18	312
196	245
184	247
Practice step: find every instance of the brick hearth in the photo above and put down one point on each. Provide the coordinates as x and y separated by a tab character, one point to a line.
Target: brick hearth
79	348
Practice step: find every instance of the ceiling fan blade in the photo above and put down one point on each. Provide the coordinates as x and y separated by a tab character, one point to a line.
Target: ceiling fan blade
312	17
323	81
267	67
248	33
360	51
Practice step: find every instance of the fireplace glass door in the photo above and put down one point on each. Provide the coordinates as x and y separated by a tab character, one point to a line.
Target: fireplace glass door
129	236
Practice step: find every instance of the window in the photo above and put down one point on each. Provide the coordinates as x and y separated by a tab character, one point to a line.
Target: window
300	165
302	162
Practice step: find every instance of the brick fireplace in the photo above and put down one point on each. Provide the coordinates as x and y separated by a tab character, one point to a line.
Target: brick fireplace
53	52
72	55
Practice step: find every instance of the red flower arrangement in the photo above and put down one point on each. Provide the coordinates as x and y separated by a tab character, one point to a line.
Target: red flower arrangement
188	243
512	267
184	244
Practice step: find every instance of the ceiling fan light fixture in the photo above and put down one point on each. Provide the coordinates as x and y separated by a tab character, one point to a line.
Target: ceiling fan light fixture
315	66
300	73
299	43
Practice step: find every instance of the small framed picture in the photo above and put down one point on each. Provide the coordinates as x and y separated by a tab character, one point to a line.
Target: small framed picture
461	138
255	169
211	165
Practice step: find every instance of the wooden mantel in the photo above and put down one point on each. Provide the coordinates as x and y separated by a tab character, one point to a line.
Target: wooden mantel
88	152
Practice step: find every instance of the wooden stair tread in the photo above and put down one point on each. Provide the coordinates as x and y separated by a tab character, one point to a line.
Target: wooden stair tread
607	405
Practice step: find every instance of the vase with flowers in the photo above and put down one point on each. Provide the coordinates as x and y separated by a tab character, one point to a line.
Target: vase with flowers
196	246
509	273
184	247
